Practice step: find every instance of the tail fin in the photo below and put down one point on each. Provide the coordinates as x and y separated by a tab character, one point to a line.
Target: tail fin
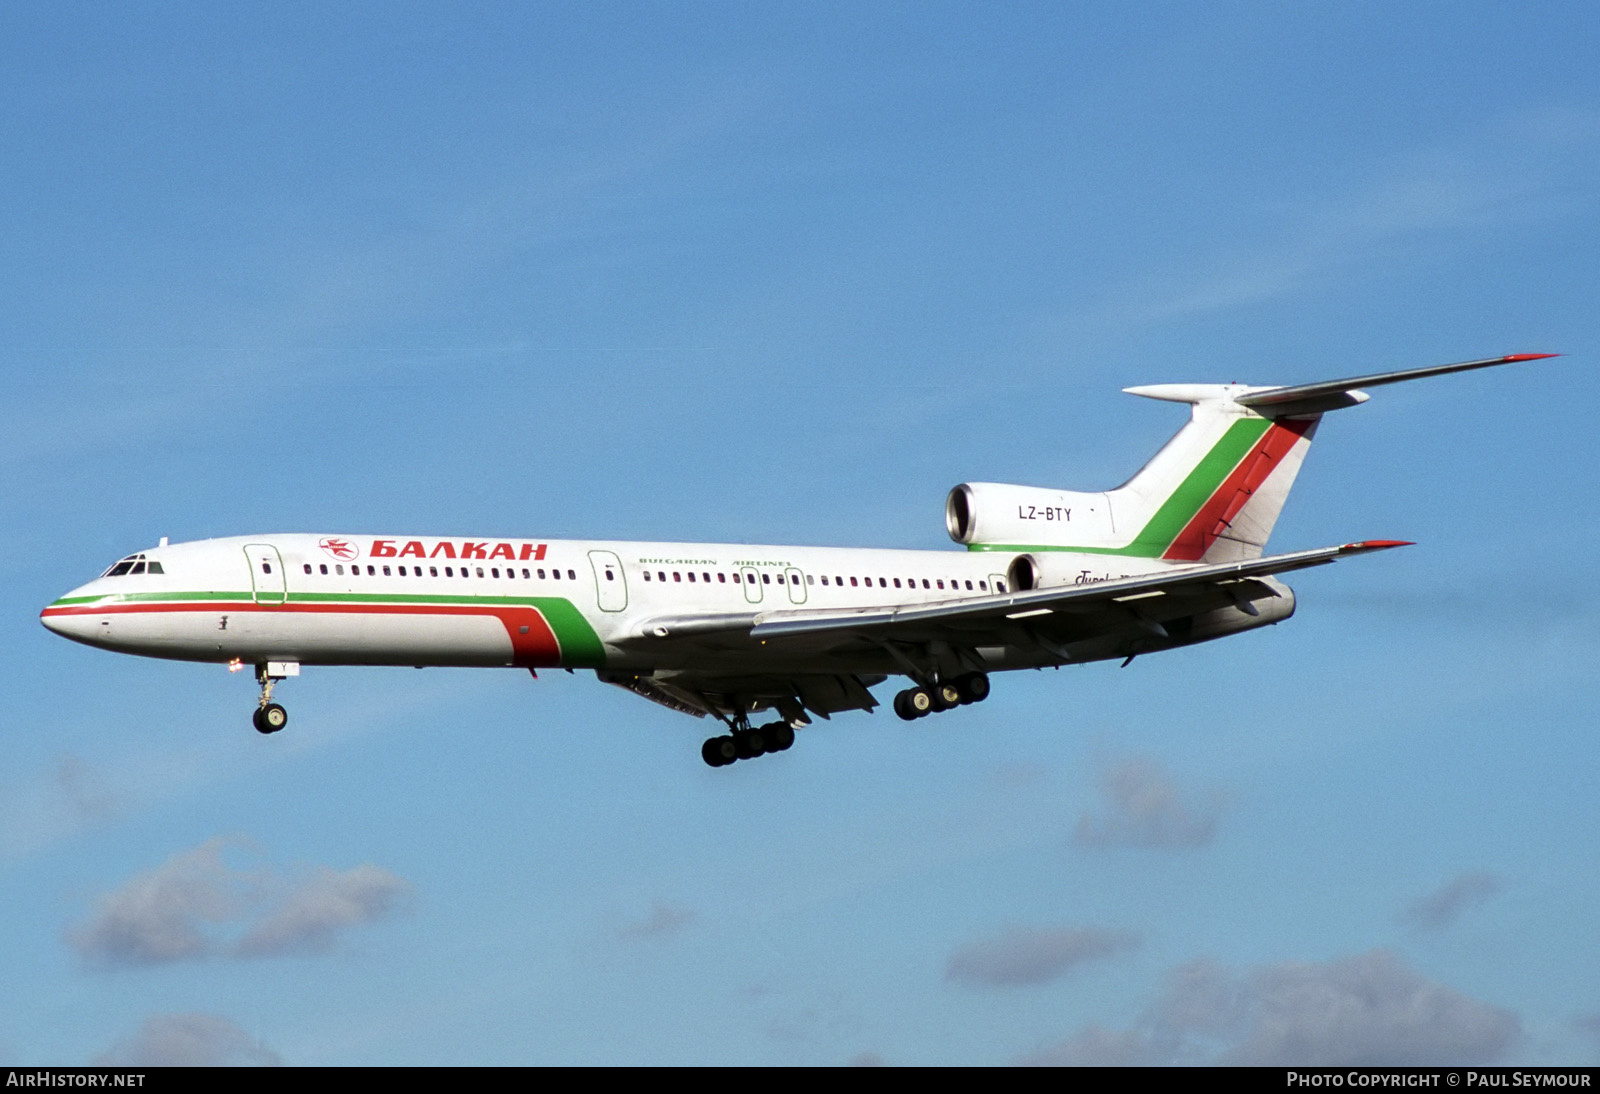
1211	494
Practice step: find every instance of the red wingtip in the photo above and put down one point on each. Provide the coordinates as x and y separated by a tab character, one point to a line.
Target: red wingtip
1382	544
1529	356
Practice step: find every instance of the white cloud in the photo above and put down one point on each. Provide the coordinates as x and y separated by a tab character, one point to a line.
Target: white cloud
665	919
1368	1009
195	905
189	1040
1445	904
1033	955
1098	1047
1142	807
308	918
160	915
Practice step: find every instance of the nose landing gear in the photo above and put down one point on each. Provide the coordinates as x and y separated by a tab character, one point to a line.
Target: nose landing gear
269	717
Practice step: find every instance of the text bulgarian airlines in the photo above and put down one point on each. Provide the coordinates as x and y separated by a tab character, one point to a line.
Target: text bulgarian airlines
467	548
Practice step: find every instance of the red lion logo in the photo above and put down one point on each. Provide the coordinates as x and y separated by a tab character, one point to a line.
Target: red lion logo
338	548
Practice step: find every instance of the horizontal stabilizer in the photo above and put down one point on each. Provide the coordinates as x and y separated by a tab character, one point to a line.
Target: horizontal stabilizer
1266	400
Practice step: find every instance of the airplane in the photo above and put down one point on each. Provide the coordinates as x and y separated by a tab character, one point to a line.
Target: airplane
1048	578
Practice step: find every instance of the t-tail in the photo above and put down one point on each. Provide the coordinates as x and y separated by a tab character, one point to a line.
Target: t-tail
1211	494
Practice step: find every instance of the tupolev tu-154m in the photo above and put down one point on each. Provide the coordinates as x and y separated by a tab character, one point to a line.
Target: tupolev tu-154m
1047	578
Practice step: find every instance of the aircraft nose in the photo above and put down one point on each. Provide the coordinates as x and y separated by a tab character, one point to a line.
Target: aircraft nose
58	619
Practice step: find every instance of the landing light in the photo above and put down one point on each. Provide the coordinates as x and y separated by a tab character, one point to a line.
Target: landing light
235	665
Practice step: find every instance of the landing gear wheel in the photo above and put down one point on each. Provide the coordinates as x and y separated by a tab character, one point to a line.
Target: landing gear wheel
902	706
270	718
946	696
719	751
780	737
975	686
920	702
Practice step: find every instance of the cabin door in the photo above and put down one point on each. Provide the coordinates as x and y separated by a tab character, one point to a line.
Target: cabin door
266	573
611	587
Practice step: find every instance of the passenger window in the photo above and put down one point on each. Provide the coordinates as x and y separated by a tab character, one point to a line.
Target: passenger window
449	571
609	575
706	578
941	583
266	568
308	567
647	575
495	572
999	586
897	583
882	583
969	586
480	570
722	579
525	574
736	578
323	568
982	588
691	577
766	579
810	580
386	571
572	575
852	582
677	576
339	569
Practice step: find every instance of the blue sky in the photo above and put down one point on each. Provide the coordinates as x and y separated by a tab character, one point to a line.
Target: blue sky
785	274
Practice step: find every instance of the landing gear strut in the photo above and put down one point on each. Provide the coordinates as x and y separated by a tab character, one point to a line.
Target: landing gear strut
923	700
746	742
269	717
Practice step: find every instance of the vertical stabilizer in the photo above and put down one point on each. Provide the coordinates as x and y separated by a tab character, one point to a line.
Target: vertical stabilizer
1213	492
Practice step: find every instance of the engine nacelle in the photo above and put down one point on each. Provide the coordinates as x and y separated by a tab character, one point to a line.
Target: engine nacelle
1048	569
999	514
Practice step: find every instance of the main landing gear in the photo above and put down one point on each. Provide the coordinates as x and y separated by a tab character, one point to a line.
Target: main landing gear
746	742
923	700
269	717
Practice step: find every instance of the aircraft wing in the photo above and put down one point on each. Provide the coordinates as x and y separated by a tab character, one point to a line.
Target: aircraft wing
1062	610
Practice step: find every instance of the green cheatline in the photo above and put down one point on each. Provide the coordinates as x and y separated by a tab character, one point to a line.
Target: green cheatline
1179	509
580	645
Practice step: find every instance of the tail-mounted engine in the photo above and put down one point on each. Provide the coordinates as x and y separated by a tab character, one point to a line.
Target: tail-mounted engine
1000	515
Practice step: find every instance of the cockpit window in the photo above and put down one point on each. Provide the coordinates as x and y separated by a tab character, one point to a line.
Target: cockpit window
133	564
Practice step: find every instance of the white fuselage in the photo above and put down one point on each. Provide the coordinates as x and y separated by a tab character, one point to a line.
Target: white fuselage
425	600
